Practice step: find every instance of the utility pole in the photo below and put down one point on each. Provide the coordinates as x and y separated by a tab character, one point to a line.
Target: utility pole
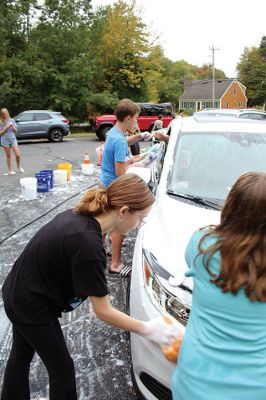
213	74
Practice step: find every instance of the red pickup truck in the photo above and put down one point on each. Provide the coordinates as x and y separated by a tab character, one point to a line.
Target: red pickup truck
149	114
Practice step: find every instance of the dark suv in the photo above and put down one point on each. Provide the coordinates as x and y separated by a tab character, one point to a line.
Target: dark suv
39	124
148	115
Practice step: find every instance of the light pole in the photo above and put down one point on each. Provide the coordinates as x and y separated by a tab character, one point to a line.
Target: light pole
213	75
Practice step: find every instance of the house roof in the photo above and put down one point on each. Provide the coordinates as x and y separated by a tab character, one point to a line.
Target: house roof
202	89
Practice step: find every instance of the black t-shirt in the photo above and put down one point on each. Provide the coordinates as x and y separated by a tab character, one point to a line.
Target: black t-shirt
62	265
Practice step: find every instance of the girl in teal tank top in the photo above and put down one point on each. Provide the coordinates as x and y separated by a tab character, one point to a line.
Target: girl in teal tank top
223	354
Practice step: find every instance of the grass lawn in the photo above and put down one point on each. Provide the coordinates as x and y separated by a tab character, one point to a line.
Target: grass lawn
81	133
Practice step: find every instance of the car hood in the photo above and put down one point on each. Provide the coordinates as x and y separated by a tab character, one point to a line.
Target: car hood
168	230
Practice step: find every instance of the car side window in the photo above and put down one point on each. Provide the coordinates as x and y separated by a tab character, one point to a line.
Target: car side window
251	116
145	110
25	117
41	116
153	110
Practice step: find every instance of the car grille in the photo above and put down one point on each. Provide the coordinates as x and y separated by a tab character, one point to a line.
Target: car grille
156	388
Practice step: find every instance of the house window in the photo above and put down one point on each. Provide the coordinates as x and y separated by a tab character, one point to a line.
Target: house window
227	104
188	105
207	104
234	92
240	104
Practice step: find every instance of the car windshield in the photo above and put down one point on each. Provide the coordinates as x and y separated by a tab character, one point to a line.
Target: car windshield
156	109
206	165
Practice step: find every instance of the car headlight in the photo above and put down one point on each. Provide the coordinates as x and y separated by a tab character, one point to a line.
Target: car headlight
162	299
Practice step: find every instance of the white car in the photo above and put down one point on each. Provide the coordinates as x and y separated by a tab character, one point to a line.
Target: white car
191	181
247	113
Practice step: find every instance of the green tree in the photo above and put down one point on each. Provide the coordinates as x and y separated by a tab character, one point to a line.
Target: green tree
15	24
252	73
262	47
58	54
120	48
153	70
205	72
54	68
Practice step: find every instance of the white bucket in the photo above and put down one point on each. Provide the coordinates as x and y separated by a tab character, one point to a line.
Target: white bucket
87	169
29	188
60	176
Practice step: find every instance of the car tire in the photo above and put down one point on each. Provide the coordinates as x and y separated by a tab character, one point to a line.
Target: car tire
56	135
102	132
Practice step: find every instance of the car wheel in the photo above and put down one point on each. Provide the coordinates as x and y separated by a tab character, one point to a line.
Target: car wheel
103	133
56	135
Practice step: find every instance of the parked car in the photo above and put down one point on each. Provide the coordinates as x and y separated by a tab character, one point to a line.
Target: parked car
149	114
248	113
39	124
191	180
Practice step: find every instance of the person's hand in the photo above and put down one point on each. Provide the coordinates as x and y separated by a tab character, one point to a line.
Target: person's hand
128	161
146	135
162	137
160	332
7	127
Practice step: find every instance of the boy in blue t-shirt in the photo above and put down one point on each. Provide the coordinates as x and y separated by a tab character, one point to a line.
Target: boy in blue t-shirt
114	161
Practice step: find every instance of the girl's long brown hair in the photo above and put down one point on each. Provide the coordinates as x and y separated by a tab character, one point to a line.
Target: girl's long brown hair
127	190
241	239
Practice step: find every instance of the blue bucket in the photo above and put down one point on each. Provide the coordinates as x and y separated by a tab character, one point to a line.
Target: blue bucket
43	182
50	173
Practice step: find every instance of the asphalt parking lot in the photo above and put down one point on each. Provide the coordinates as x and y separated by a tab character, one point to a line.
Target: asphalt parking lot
101	353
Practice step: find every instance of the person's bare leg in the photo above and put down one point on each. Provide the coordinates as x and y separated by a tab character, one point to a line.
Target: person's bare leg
17	154
8	158
117	241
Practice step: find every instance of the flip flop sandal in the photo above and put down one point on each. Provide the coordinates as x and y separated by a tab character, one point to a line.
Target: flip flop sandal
126	270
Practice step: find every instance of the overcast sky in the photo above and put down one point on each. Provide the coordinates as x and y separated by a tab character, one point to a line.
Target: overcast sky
187	29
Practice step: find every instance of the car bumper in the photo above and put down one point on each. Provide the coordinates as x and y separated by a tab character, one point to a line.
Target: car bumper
67	132
152	372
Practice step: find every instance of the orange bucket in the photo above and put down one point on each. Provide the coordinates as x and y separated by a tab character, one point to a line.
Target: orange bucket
67	167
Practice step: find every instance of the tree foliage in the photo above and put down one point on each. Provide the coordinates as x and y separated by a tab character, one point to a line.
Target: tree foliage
119	46
252	73
262	47
63	55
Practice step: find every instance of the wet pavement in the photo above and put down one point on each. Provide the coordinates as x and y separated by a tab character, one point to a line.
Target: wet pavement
100	352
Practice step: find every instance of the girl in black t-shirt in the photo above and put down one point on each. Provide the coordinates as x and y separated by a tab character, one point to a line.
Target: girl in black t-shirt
60	267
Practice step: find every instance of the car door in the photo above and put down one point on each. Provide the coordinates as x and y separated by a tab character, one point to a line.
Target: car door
25	124
147	117
42	122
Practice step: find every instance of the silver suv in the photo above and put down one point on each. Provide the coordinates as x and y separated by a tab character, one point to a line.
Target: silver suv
39	124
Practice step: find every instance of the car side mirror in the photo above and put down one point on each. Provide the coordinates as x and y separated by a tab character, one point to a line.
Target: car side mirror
17	120
153	186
